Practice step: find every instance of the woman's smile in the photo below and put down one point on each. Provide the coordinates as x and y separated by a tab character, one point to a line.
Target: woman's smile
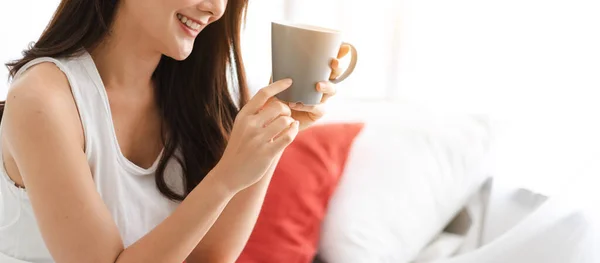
189	25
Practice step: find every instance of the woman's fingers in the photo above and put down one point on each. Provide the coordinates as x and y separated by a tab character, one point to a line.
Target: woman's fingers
273	109
315	111
327	88
263	95
287	136
336	71
278	126
344	50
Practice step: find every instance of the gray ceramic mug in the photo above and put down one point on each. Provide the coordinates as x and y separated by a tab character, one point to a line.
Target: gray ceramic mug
304	53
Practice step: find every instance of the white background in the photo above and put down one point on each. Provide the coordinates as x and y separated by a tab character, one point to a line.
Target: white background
531	65
21	22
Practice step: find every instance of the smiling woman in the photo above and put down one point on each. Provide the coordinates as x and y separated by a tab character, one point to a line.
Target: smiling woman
80	28
121	142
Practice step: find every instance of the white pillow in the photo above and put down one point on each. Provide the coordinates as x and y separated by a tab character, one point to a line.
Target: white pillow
406	177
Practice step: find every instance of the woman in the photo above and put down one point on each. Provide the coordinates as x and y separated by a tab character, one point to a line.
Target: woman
121	141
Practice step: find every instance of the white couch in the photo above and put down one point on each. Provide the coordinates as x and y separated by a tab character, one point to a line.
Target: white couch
409	174
414	190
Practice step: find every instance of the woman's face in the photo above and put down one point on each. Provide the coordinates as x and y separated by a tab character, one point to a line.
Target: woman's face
172	25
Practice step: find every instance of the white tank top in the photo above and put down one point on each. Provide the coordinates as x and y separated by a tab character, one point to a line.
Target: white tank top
129	191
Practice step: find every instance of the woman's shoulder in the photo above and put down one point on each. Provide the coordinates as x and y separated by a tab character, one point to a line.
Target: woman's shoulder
41	91
40	84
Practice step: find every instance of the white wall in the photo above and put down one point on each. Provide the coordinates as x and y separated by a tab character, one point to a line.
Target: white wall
21	22
533	65
256	40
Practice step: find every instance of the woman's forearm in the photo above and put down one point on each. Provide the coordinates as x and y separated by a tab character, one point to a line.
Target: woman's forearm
175	238
229	235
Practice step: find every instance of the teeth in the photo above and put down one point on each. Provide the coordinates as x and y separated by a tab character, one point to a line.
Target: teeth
188	22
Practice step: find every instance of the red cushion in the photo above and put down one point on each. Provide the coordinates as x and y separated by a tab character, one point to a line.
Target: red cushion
289	223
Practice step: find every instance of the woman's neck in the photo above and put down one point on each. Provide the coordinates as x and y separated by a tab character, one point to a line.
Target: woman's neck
125	58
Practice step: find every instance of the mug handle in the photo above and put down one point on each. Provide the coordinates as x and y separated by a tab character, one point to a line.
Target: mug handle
351	67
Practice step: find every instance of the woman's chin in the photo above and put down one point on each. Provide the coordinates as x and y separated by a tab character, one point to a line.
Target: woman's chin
182	52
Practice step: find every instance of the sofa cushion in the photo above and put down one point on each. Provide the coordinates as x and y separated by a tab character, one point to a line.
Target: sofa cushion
407	176
289	223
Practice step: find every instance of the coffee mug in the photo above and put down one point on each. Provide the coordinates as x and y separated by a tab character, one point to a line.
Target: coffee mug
304	53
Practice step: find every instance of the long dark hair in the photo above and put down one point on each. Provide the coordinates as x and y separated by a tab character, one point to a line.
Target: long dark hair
193	95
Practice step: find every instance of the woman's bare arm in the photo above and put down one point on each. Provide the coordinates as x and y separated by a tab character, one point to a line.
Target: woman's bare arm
229	235
76	226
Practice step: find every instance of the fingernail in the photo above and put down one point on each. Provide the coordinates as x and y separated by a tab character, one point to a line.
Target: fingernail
288	81
335	63
322	86
293	104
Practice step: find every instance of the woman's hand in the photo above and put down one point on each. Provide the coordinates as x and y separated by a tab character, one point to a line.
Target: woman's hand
262	130
307	115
